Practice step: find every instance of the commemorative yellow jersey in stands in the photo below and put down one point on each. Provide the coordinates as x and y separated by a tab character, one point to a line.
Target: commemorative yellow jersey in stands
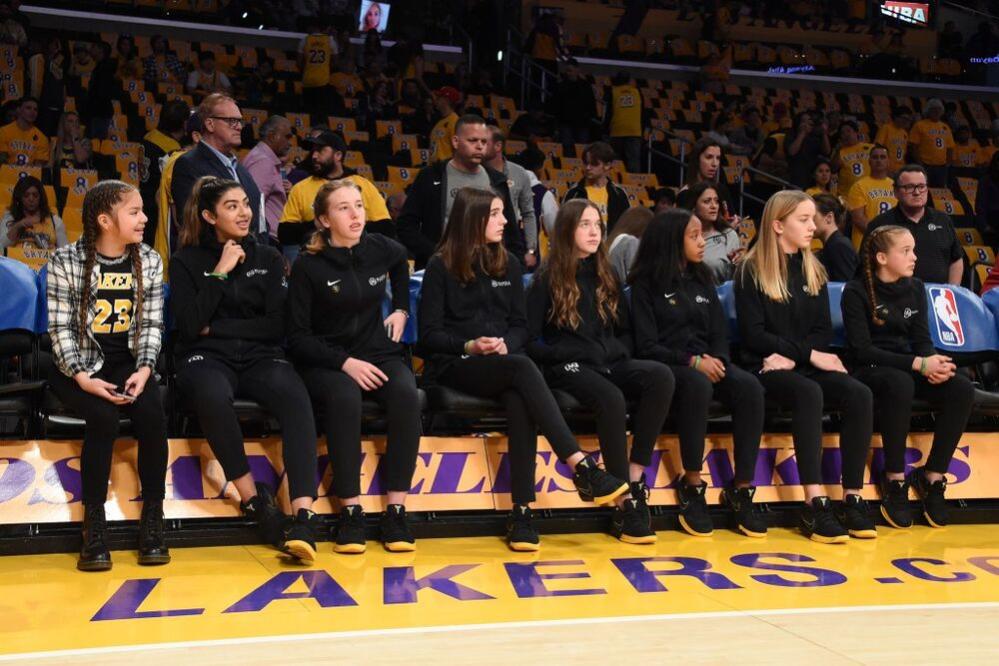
896	140
440	137
854	164
932	140
24	147
598	195
626	111
318	54
300	199
967	155
874	195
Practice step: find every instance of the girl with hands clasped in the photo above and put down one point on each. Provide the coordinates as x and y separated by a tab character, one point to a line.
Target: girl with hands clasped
105	301
679	321
889	349
344	350
473	329
579	332
785	328
228	302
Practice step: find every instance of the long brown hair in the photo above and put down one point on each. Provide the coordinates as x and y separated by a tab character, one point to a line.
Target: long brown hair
632	222
766	263
321	237
560	269
206	195
463	247
101	200
881	239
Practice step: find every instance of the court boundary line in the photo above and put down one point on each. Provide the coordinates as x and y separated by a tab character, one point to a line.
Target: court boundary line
402	631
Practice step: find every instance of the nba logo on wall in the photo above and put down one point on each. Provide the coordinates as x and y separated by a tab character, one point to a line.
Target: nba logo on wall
948	318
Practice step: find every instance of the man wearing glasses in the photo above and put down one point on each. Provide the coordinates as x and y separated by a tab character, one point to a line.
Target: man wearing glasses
939	258
215	155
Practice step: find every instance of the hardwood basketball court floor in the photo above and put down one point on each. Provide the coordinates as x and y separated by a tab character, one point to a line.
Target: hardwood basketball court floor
918	596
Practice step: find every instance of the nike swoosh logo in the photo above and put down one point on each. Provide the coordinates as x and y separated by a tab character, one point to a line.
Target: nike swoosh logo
437	182
333	283
670	295
810	524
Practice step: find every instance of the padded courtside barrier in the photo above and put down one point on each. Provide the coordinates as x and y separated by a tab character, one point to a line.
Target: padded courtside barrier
836	313
960	322
18	296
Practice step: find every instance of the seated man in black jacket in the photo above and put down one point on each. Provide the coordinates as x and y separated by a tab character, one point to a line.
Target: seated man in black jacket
430	197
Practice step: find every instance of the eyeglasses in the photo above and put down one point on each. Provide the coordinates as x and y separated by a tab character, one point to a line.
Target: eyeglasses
234	123
913	189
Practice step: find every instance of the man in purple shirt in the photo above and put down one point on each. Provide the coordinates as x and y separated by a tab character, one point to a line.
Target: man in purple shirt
266	164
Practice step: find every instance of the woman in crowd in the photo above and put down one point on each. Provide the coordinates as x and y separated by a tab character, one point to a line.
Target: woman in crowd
622	243
723	247
29	218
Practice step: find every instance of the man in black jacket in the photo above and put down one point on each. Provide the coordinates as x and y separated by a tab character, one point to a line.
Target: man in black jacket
215	155
429	199
597	186
574	107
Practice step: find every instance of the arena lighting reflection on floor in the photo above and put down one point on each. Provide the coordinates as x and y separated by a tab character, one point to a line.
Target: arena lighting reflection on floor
234	592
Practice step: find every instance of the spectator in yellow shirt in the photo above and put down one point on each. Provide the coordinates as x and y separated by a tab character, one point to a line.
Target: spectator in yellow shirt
296	225
931	143
967	153
850	157
822	182
874	194
446	101
21	142
894	135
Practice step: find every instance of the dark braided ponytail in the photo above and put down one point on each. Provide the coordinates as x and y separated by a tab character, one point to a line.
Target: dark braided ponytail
207	193
101	200
879	240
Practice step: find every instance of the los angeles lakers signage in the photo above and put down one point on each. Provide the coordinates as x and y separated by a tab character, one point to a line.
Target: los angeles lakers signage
40	480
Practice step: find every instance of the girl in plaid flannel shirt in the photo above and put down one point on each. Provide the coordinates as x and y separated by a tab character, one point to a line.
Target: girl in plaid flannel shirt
105	301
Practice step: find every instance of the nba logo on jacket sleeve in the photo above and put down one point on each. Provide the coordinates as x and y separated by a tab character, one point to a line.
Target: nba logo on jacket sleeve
948	318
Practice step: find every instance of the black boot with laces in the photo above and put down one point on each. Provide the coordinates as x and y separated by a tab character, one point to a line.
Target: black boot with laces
152	543
94	555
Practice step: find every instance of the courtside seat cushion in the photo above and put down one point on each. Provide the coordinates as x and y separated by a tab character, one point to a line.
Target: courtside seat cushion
442	399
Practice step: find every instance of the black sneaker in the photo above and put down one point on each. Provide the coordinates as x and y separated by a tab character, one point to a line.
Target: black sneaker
396	536
520	533
854	515
631	523
300	539
740	502
818	522
895	503
694	516
932	495
350	532
94	554
264	510
152	544
595	484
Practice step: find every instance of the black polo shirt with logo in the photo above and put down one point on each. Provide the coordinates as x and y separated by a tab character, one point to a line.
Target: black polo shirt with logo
937	246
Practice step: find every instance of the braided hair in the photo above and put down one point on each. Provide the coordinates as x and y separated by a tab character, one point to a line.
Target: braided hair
878	240
101	200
